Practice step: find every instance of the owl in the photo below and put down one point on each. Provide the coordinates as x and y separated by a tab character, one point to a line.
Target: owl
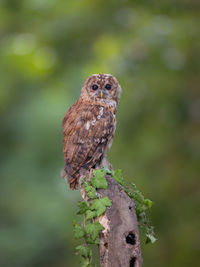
89	126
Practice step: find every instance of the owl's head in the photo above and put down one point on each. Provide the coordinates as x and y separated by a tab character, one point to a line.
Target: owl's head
101	87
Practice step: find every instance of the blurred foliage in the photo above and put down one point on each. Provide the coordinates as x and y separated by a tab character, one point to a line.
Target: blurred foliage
47	49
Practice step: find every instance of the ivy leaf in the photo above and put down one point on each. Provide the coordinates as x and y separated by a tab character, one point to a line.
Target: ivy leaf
141	208
117	175
92	194
148	203
90	214
99	205
85	262
84	251
83	206
106	201
99	181
78	231
90	191
87	188
100	172
98	226
135	194
92	232
150	239
107	171
100	209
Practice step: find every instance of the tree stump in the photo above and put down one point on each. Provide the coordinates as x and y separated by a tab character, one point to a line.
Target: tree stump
119	241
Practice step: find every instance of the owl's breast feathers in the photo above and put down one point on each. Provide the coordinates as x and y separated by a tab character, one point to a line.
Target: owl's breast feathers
87	129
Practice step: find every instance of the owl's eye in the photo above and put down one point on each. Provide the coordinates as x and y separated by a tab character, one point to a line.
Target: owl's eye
108	86
95	87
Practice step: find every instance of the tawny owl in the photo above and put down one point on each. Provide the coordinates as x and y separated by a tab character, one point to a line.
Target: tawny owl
89	126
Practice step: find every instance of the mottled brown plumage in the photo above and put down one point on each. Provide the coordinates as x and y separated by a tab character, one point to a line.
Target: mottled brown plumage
89	126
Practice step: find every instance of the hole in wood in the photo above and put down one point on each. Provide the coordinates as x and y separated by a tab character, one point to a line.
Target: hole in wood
130	238
132	262
130	207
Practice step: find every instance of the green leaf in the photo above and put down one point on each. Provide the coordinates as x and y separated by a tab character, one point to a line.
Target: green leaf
78	231
87	188
99	181
92	232
141	208
100	172
107	171
100	209
85	262
92	194
117	175
90	214
90	191
148	203
137	195
150	238
84	251
83	206
99	205
98	226
106	201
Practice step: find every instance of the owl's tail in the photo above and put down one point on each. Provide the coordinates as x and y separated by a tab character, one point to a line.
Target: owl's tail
73	181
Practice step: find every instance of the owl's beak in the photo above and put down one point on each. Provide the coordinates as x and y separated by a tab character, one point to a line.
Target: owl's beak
101	95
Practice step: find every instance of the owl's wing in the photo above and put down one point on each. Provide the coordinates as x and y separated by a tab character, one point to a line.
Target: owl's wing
87	130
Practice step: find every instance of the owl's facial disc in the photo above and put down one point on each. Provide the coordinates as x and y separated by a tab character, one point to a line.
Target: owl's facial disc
103	87
101	90
96	87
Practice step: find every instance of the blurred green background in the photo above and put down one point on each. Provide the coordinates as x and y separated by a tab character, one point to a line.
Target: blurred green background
47	50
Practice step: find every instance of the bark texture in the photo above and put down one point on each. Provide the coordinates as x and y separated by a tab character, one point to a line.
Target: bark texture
119	241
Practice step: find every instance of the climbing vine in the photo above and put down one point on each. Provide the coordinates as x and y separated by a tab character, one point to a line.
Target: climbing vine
142	206
94	206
